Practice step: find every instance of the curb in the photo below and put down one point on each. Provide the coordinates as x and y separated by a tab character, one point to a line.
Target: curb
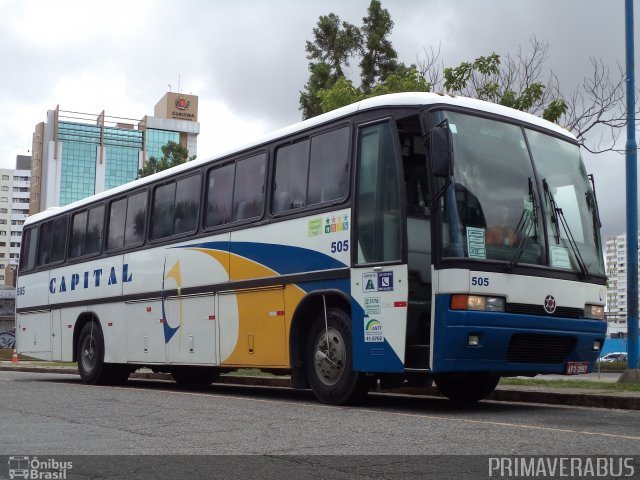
501	394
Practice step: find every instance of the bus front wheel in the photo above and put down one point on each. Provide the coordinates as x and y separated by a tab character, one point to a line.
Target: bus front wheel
466	387
328	361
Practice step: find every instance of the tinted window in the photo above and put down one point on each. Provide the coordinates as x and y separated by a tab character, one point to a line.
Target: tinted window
219	195
86	234
329	166
175	207
162	216
292	168
136	219
78	234
59	240
379	237
29	244
53	241
248	190
187	203
95	224
117	214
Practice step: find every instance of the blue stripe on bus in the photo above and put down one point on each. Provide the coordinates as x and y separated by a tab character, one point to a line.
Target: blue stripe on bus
451	352
283	259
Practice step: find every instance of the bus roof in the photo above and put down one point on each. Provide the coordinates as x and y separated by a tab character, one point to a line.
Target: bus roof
408	99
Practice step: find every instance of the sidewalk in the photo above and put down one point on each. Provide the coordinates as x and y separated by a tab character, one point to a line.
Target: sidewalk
579	397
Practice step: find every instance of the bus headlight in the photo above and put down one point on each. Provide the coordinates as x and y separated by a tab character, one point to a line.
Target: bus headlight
477	303
595	312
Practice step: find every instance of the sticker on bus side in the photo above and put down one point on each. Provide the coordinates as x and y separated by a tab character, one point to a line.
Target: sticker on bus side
373	332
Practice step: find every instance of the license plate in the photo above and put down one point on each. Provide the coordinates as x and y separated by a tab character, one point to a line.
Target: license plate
576	368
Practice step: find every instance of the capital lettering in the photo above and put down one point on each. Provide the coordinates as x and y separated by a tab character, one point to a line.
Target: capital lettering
52	286
97	274
75	280
112	277
126	276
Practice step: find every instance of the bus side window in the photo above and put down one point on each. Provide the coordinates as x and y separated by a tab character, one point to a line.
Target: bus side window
248	191
134	225
29	244
115	233
86	232
162	214
187	205
329	166
292	168
219	195
78	231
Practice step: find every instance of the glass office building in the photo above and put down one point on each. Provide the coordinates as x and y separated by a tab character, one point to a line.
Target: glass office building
156	139
76	155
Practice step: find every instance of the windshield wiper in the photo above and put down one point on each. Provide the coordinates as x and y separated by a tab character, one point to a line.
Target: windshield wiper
528	219
558	218
592	203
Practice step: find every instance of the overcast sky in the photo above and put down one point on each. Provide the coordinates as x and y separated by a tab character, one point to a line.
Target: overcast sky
245	59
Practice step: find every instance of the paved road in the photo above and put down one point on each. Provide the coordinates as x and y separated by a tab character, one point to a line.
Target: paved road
56	414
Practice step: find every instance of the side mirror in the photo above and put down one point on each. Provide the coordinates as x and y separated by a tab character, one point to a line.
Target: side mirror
441	152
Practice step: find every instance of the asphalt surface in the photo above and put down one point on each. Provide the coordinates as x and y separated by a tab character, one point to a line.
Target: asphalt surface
580	397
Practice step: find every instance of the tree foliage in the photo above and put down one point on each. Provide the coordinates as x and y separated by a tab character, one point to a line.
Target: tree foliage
335	44
172	154
519	80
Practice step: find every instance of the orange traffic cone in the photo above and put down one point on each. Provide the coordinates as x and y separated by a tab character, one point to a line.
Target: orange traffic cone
14	357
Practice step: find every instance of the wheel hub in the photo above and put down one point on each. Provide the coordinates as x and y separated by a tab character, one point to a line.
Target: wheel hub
330	356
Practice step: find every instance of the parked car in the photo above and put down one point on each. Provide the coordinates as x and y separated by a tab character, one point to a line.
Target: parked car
614	357
7	340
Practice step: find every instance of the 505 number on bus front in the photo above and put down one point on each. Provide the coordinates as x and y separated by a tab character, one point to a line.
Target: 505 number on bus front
479	281
341	246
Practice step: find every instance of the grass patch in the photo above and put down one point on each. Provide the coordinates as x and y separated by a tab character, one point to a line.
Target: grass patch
616	367
582	384
7	354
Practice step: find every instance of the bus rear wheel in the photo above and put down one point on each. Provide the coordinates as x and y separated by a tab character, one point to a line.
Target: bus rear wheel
194	376
329	360
90	354
466	387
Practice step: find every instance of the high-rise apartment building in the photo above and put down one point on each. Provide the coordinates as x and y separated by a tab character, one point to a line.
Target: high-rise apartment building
76	154
616	264
14	208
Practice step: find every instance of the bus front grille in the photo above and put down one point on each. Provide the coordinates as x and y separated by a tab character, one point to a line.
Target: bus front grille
535	348
527	309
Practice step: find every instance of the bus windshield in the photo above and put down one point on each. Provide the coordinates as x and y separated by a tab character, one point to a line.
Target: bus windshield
499	200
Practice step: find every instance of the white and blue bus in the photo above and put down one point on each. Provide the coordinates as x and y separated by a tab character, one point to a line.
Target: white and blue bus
406	238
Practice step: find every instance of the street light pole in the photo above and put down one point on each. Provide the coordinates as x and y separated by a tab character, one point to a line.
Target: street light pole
632	195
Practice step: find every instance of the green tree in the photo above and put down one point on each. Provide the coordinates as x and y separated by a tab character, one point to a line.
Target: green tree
522	81
379	58
172	154
335	43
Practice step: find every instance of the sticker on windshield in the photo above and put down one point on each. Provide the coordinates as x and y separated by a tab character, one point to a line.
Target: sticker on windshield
476	247
453	128
560	257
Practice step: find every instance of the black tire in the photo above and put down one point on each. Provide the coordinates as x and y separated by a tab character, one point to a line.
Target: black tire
90	356
329	360
466	387
194	376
